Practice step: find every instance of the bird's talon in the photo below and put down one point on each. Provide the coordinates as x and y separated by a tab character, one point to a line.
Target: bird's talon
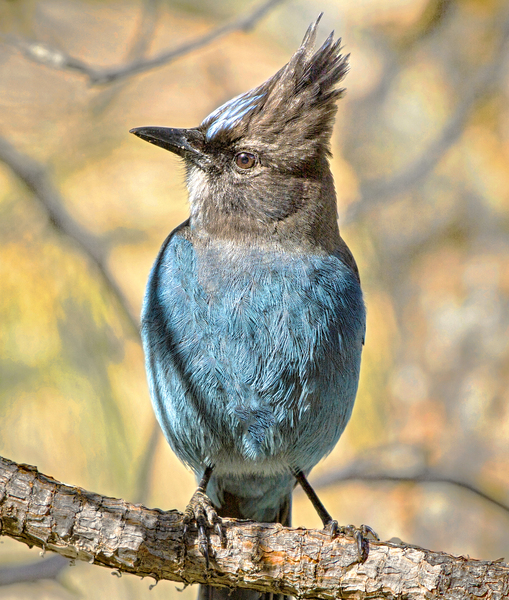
204	549
201	512
332	528
360	542
367	531
220	533
361	535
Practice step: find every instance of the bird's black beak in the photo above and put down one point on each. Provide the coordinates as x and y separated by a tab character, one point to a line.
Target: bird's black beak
184	142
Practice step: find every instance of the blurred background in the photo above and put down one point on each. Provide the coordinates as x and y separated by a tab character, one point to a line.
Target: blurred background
421	164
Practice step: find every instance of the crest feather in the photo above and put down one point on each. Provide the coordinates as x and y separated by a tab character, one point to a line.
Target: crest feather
294	109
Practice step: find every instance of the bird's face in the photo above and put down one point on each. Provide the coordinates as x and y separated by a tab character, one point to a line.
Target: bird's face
240	183
257	166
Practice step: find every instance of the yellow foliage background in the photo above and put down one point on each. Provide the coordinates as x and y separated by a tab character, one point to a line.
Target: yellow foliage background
421	164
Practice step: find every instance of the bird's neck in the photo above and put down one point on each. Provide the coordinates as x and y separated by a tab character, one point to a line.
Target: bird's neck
311	227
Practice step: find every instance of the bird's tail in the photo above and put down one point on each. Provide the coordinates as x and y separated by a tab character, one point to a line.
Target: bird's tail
231	508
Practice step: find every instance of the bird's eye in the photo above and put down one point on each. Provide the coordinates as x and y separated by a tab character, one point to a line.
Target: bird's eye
245	160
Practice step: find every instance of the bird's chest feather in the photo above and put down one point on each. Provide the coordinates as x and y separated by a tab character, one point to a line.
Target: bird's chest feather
251	342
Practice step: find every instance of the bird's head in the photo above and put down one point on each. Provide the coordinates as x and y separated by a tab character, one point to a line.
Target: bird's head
258	164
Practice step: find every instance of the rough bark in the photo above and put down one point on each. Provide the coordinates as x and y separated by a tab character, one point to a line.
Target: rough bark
37	510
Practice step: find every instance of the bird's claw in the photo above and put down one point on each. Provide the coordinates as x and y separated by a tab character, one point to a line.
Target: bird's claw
201	511
360	534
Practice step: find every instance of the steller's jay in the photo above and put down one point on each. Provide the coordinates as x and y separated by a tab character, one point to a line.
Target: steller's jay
253	320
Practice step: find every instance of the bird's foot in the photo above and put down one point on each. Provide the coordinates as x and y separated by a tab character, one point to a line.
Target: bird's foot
201	511
360	534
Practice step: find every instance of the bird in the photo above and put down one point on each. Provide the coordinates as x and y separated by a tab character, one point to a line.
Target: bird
253	320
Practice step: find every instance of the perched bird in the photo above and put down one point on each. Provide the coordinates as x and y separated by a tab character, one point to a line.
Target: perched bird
253	320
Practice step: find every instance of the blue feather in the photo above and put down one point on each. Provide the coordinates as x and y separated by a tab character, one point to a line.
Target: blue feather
247	364
230	113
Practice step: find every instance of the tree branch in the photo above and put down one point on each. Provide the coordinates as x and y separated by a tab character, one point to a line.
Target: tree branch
37	510
42	53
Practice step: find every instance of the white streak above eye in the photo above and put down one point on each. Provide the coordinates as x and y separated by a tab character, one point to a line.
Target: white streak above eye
230	113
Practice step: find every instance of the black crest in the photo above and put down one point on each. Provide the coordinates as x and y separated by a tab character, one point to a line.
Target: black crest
292	111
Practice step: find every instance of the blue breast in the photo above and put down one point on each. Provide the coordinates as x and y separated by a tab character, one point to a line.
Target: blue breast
253	355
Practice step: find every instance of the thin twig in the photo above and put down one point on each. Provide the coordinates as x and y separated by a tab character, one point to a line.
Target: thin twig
139	45
425	475
36	178
57	59
146	28
49	568
486	77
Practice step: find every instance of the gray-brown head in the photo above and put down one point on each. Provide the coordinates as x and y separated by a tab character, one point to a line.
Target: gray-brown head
257	166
